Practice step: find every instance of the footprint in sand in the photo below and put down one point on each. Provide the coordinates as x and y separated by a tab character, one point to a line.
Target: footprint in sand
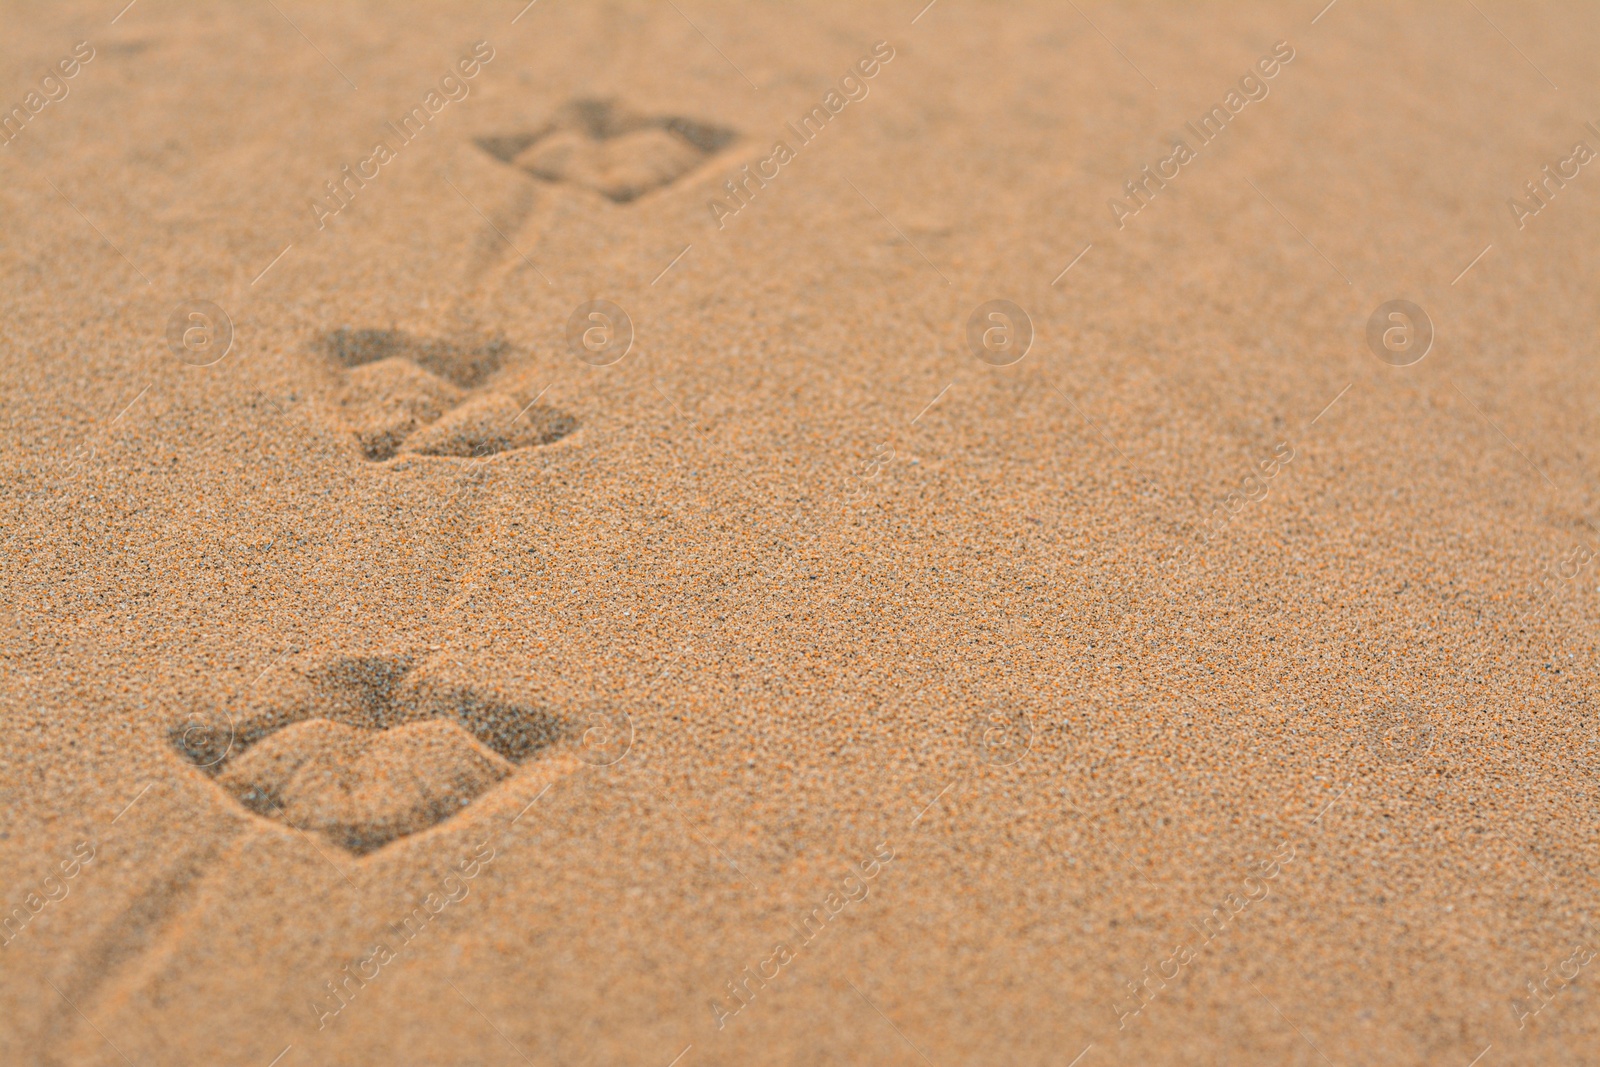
593	148
365	750
407	395
602	146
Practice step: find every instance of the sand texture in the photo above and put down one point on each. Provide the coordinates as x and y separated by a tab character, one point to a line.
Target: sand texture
696	533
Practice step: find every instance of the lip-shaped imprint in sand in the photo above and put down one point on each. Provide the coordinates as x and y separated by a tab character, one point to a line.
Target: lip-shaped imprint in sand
617	153
430	397
364	750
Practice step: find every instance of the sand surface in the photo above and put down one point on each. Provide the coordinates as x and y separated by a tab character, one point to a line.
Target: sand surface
1190	661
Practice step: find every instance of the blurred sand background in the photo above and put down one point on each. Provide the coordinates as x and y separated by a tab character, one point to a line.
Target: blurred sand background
802	543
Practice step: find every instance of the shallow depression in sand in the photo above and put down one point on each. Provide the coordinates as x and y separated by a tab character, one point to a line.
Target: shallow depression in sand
604	147
363	751
432	397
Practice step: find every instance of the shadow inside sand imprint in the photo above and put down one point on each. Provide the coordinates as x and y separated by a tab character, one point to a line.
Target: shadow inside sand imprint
603	147
431	397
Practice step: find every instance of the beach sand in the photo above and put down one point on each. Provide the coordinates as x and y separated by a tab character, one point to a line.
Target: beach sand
805	660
